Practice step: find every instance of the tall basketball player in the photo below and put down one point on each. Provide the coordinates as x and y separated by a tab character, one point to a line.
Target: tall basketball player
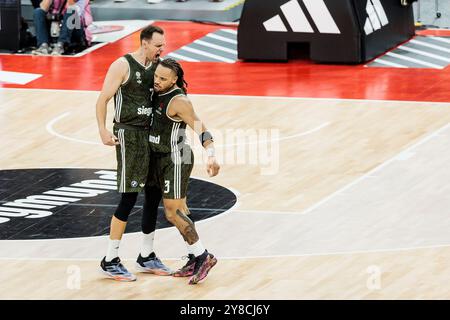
172	160
128	80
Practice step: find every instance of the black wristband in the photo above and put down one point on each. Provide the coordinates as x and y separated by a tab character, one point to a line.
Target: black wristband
205	136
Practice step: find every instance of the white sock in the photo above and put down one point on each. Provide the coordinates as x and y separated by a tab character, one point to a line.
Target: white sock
147	244
113	250
197	248
188	247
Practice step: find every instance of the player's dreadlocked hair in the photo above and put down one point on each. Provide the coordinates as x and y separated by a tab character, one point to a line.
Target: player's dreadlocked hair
175	66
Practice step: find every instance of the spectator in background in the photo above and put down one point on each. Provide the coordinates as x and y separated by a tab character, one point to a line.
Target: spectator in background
66	19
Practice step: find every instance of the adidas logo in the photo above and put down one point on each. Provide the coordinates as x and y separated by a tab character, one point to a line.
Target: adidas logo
298	20
376	17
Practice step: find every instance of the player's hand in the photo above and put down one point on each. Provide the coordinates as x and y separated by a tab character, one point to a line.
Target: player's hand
212	167
108	138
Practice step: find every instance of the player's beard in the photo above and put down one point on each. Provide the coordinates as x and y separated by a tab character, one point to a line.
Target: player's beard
163	90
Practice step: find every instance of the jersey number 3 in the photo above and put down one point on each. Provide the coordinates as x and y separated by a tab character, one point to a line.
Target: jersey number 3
166	186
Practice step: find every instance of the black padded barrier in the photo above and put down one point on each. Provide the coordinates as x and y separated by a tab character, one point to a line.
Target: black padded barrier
337	31
10	12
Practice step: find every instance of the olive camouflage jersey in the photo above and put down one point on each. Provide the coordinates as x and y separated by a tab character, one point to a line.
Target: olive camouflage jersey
132	100
167	135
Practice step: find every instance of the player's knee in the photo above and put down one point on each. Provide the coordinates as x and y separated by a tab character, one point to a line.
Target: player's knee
122	216
127	202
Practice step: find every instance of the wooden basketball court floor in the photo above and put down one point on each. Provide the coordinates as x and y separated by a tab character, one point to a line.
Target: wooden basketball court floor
339	198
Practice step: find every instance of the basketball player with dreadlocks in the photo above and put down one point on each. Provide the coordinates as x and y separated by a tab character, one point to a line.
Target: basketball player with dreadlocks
128	80
172	160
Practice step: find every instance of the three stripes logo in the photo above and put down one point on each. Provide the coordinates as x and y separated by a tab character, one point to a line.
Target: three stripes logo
376	17
298	21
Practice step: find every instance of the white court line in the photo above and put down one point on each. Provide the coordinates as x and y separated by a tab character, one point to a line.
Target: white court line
424	53
181	57
207	54
232	31
424	103
18	77
331	253
320	127
52	122
424	63
215	36
89	50
388	63
50	130
438	246
439	39
376	169
429	45
214	46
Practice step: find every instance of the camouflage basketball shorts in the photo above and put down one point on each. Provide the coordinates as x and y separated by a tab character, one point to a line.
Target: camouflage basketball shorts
133	159
171	172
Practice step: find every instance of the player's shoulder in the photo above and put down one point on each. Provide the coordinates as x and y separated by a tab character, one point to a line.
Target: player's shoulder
119	65
182	99
181	102
121	61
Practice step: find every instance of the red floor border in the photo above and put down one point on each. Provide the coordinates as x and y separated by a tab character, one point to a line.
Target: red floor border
293	79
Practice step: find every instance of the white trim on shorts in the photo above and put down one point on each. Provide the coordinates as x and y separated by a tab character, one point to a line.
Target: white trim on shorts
177	161
121	137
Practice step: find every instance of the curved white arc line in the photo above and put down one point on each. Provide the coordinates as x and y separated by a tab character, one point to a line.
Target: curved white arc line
297	135
50	130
